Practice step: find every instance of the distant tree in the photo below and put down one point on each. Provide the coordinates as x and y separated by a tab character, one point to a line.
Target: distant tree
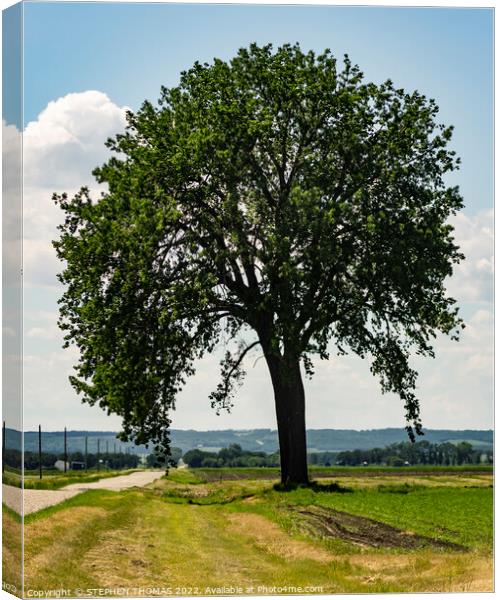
313	459
231	452
464	453
31	459
14	458
194	458
276	200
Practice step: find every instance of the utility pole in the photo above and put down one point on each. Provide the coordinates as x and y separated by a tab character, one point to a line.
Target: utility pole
65	450
98	454
40	449
3	447
86	453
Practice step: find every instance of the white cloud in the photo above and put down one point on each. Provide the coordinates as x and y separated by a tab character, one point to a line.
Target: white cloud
11	158
61	148
472	279
11	203
457	387
51	332
66	142
41	325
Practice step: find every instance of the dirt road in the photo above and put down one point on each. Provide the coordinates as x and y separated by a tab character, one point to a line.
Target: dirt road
35	500
120	482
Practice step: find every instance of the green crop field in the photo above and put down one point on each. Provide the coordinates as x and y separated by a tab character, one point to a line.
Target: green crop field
217	473
194	533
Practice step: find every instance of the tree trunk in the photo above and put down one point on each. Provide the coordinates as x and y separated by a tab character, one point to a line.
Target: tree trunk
290	414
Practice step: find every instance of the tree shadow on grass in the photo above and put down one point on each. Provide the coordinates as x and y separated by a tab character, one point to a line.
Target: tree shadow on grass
315	486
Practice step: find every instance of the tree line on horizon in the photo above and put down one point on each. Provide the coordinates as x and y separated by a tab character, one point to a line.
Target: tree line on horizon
418	453
232	456
13	459
398	454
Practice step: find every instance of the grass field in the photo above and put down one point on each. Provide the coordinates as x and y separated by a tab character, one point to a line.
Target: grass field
214	474
11	549
192	533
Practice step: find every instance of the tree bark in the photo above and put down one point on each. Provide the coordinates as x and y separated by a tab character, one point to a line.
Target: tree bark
290	414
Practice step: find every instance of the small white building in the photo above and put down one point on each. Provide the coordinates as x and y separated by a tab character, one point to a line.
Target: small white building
59	465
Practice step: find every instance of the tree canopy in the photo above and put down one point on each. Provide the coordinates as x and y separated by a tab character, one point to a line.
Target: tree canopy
276	200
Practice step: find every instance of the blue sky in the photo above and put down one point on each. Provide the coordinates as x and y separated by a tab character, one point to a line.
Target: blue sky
85	62
129	50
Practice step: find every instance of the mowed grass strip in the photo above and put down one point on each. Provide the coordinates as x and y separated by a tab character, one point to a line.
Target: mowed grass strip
11	547
136	539
184	532
455	509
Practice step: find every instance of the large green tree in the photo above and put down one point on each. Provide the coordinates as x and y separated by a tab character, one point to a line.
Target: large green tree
276	200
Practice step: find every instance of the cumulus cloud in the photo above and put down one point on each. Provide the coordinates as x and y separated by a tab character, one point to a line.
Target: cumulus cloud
11	200
61	148
11	158
457	387
66	142
11	270
472	279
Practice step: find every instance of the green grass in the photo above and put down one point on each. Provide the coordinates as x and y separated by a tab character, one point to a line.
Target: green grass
185	476
401	470
442	507
11	478
188	531
11	549
219	493
218	473
456	514
53	479
89	498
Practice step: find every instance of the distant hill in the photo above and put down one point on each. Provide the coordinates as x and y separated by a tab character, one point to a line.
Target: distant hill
265	440
322	440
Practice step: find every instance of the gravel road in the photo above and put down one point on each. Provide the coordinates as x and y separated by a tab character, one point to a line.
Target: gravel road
12	497
35	500
120	482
